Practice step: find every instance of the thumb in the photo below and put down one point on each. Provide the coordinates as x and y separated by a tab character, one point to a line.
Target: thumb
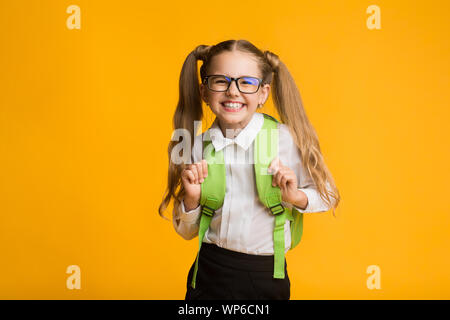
274	165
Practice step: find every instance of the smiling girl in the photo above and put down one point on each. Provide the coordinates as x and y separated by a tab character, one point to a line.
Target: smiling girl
236	259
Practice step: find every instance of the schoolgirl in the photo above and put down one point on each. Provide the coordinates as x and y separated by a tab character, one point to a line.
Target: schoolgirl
236	259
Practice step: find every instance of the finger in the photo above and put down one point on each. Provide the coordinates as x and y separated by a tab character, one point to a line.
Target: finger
276	179
285	177
283	189
284	181
205	168
199	167
274	166
189	176
280	177
293	179
195	173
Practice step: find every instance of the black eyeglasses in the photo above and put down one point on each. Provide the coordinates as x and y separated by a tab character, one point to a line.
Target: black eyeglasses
221	83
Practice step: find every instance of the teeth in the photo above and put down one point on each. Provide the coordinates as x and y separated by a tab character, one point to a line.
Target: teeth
233	105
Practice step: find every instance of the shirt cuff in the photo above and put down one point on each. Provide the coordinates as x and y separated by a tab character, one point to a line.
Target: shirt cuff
315	202
188	216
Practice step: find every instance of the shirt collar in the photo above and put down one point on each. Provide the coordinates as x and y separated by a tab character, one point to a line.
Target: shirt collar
245	137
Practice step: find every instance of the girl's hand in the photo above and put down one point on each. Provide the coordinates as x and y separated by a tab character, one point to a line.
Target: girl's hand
286	179
192	176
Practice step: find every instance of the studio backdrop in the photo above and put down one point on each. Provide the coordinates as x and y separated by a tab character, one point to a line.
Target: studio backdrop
88	92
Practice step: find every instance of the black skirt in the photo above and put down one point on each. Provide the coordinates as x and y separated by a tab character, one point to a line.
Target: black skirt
230	275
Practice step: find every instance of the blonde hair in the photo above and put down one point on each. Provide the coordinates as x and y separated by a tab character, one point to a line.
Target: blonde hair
287	101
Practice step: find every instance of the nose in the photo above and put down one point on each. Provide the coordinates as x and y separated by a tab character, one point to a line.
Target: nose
232	89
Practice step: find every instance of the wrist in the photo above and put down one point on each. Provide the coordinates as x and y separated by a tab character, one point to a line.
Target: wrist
190	204
301	201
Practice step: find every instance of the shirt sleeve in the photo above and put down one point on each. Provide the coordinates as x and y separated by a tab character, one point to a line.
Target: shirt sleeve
186	223
290	156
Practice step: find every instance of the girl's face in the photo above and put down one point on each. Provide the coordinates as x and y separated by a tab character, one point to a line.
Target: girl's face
234	64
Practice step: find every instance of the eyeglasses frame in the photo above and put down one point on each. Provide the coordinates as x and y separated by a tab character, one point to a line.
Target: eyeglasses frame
205	81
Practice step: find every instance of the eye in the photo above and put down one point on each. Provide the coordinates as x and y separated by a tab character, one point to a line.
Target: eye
219	80
249	81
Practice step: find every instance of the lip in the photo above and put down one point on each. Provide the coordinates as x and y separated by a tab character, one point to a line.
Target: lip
231	101
230	109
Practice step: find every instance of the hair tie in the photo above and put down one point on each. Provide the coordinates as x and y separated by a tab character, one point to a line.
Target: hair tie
201	51
273	60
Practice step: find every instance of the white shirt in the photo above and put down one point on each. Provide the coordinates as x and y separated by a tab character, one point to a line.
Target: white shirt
243	223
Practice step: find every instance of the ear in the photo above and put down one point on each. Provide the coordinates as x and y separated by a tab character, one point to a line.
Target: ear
264	93
203	93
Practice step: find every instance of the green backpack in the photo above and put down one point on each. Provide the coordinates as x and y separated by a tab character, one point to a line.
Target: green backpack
213	193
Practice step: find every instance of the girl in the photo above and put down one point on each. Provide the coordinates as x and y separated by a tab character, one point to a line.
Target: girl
236	260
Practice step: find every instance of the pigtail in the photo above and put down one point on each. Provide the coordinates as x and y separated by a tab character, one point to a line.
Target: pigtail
189	109
288	102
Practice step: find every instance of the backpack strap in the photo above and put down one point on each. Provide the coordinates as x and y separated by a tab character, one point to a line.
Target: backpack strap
293	215
265	150
296	219
212	194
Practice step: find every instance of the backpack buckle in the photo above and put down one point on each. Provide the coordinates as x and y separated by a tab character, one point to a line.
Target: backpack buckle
277	209
207	210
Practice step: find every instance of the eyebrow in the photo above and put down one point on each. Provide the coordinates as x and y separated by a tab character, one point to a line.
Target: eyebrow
220	74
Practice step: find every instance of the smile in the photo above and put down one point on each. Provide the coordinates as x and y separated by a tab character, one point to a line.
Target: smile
233	107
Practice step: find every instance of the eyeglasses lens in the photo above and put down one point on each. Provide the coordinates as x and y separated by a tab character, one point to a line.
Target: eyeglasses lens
245	84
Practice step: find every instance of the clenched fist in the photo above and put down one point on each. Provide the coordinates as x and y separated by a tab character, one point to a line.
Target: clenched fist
192	176
285	178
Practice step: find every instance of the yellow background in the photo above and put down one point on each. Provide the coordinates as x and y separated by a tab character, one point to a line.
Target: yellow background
86	117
